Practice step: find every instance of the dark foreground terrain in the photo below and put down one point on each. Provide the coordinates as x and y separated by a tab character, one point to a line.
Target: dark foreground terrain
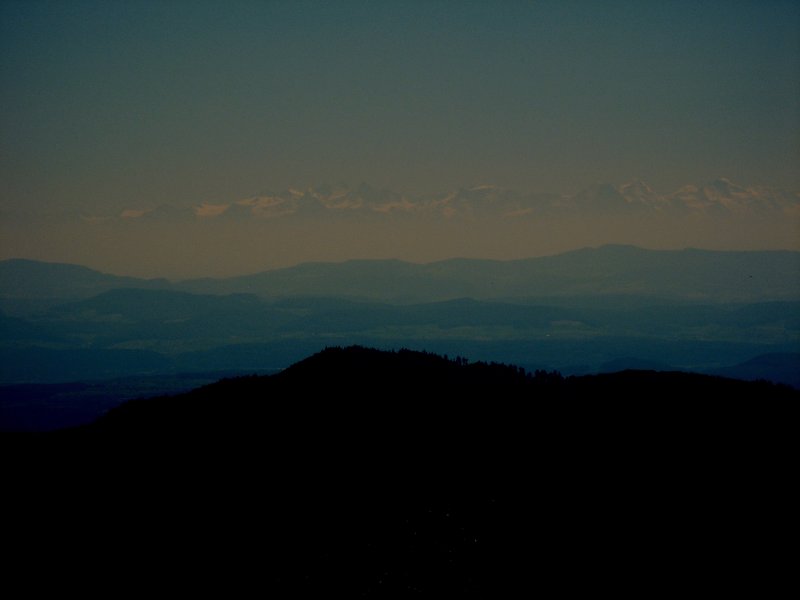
404	473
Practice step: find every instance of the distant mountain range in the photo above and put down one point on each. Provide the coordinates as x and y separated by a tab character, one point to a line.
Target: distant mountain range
717	197
337	223
691	275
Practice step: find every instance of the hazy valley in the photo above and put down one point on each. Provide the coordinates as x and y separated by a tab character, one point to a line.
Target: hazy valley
592	310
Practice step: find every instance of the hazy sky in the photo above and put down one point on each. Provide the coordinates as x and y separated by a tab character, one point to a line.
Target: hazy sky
106	105
108	108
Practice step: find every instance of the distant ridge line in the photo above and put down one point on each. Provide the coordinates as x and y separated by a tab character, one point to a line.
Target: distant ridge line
582	250
690	273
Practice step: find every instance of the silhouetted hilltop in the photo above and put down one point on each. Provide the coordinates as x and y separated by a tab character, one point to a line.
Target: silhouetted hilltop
383	473
418	386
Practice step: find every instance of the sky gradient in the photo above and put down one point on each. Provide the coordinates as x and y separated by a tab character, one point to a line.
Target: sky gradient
108	106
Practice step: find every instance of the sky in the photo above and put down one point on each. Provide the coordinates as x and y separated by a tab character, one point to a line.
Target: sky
107	106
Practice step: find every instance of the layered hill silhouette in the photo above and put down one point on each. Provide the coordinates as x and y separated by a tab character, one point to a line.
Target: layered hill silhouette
591	310
384	473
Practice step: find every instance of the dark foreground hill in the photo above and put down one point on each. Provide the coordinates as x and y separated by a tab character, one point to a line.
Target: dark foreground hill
378	473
